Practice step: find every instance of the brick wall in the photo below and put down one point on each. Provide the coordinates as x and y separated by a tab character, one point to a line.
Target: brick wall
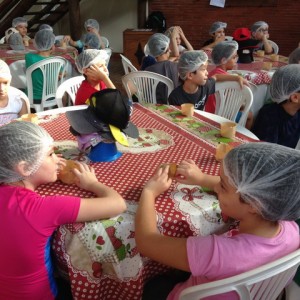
196	16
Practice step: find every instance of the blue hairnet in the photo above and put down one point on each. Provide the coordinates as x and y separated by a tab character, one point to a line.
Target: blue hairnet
22	141
258	25
158	44
191	61
285	82
16	42
45	26
294	57
44	39
267	177
223	51
89	57
216	26
91	23
91	41
18	21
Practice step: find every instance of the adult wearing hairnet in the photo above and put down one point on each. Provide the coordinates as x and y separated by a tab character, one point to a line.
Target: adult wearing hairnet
260	32
294	57
196	87
258	186
45	26
21	25
44	43
217	33
92	64
91	41
158	45
279	122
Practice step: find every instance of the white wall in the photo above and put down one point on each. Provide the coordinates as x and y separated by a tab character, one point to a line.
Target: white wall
114	16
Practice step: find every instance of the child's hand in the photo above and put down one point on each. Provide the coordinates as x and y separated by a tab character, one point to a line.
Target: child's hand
189	173
159	182
85	176
96	74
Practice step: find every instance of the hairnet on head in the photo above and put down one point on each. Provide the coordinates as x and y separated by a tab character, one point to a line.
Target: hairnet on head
91	23
191	61
44	39
223	51
158	44
4	70
22	141
45	26
285	82
89	57
216	26
258	25
19	21
294	57
267	177
91	41
16	42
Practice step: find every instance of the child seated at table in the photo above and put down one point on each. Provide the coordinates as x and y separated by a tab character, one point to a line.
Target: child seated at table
21	25
196	87
177	36
224	56
44	43
258	186
14	39
279	122
260	32
217	33
28	220
12	105
294	57
92	64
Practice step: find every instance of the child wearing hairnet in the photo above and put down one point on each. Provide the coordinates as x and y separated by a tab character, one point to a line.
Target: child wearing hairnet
28	220
294	57
224	56
279	122
91	63
177	36
12	105
21	25
258	186
260	32
196	87
217	33
44	44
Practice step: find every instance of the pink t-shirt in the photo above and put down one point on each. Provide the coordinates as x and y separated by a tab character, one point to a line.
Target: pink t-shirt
210	105
27	221
85	91
216	257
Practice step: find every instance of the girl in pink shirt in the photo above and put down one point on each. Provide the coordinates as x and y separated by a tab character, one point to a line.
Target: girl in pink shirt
258	186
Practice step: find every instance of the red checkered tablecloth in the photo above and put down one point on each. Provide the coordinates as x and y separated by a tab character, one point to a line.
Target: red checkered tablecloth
100	258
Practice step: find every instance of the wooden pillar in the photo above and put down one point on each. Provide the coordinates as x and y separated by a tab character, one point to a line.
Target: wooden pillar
142	8
75	19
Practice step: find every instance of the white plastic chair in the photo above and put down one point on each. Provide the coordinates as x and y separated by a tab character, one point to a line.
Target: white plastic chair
143	84
127	65
70	86
262	283
18	74
51	68
274	46
230	97
15	91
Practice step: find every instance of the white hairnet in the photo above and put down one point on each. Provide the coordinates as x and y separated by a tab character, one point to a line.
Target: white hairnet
89	57
22	141
9	32
223	51
158	44
191	61
267	177
19	21
44	39
4	70
16	42
216	26
91	41
91	23
258	25
45	26
294	57
285	82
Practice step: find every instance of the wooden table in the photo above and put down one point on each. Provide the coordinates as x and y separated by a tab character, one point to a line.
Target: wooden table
100	258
